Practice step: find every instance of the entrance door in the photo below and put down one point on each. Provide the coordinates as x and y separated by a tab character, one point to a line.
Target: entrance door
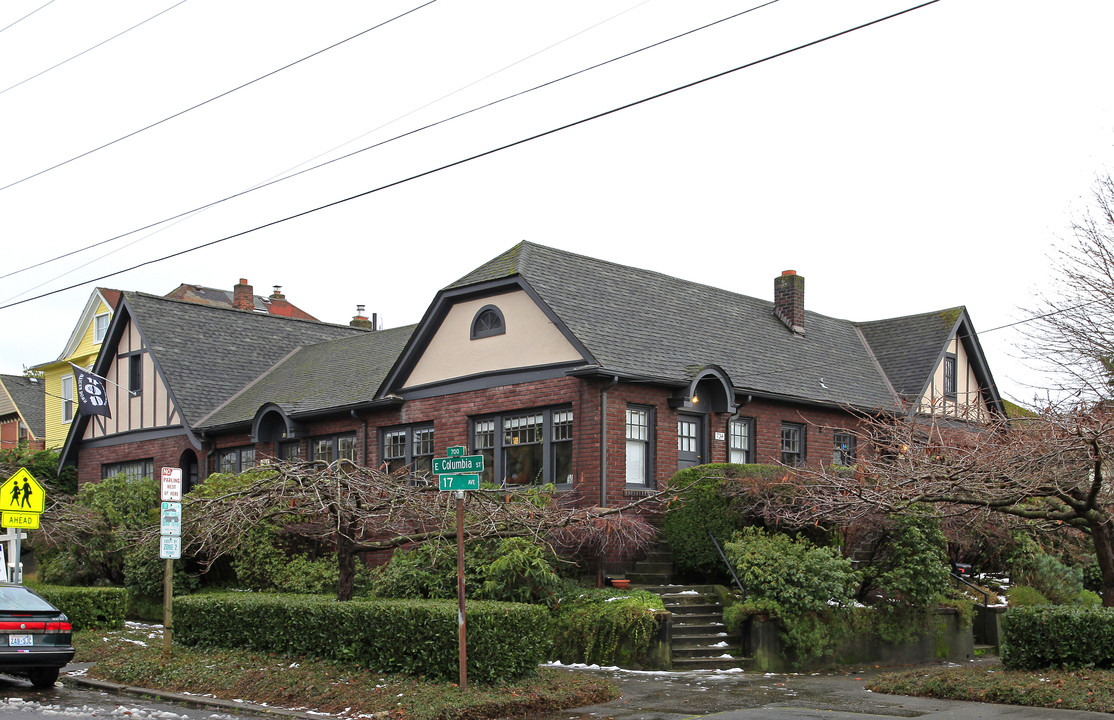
690	441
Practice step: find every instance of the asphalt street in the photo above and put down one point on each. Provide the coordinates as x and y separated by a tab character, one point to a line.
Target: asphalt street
833	695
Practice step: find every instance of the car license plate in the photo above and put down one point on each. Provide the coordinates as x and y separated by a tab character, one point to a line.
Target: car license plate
19	640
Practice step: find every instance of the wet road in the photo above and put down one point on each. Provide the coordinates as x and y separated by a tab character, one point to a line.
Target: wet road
832	695
67	699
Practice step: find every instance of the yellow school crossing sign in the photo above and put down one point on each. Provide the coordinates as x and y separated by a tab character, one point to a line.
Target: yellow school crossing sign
22	501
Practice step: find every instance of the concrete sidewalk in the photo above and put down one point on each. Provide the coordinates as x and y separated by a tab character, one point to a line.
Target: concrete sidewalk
832	695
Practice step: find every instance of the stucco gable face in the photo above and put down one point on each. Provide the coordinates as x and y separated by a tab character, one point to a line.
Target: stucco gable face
529	339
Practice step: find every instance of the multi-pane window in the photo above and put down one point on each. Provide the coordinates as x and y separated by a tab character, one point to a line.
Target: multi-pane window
100	327
488	322
686	436
333	448
843	448
408	448
561	446
133	470
483	442
235	460
792	443
522	449
526	448
740	441
292	451
950	368
638	445
67	398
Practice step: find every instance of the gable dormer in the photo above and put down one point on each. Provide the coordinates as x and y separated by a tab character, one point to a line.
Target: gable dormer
935	364
490	334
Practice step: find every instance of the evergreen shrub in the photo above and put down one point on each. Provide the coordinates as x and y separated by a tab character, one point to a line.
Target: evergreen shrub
1058	636
805	588
703	508
103	608
415	637
606	626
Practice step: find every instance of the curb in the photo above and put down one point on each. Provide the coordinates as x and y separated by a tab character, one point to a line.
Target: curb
198	700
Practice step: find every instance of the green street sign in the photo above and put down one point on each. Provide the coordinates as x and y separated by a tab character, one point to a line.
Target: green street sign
455	451
462	464
459	482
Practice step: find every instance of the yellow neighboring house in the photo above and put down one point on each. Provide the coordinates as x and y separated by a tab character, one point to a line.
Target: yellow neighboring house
82	349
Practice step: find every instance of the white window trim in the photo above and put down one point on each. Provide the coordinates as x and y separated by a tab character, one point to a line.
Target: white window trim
67	399
98	340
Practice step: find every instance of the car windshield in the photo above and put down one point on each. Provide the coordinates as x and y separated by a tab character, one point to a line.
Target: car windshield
20	598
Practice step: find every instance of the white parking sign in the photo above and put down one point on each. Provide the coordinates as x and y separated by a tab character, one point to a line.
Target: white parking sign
171	484
170	548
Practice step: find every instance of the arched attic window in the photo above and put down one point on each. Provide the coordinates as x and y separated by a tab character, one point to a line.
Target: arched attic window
487	322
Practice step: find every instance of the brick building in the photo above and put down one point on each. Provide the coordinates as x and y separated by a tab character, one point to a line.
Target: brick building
599	378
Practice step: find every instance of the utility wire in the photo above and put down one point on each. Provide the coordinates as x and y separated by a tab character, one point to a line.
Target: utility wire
391	139
212	99
26	16
102	42
477	156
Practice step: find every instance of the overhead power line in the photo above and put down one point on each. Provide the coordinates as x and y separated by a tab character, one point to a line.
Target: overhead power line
102	42
477	156
392	139
204	102
13	24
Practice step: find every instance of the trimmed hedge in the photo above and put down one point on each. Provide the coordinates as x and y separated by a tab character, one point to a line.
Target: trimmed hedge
1058	636
416	637
103	608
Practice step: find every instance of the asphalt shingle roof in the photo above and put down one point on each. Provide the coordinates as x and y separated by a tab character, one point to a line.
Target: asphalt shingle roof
208	354
652	325
28	397
317	377
908	348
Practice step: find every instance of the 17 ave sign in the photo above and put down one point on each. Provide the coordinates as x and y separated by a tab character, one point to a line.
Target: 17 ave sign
458	471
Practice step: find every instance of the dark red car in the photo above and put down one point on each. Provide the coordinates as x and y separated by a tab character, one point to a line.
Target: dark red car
36	638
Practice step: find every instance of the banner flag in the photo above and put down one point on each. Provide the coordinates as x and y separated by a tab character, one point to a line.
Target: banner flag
92	397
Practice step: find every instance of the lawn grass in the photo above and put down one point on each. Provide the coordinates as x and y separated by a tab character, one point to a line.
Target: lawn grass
134	657
1088	689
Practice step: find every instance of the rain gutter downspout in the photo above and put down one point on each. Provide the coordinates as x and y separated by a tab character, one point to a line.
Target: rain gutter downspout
603	439
356	416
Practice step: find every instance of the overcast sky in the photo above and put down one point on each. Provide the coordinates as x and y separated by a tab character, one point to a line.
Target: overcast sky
930	160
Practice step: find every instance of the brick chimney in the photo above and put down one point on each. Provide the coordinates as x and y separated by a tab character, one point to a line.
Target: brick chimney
361	321
278	305
789	300
243	296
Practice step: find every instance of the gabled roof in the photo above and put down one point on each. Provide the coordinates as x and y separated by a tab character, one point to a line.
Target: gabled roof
331	375
642	324
99	295
909	348
208	354
25	396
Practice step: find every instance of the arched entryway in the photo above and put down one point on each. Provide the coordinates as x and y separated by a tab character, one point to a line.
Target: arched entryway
188	463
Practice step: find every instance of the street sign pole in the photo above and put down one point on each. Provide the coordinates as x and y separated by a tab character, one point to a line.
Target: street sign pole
462	627
170	547
454	474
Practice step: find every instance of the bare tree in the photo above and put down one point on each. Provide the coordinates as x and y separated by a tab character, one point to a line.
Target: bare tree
357	509
1072	337
1054	470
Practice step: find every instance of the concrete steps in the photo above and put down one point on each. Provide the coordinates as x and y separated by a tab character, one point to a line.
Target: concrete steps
699	637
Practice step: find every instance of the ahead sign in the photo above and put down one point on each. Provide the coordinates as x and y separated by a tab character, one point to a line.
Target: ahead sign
171	484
